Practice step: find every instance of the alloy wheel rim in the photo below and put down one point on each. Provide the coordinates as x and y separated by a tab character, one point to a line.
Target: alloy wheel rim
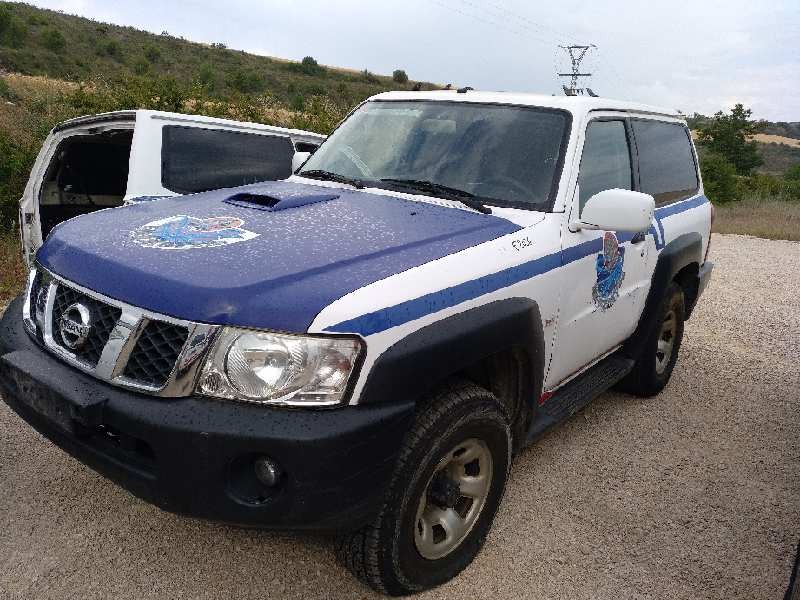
666	342
453	499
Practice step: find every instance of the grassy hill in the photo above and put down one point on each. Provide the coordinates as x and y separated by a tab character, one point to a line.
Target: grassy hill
36	41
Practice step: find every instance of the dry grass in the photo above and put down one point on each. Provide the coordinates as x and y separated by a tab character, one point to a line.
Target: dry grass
771	219
767	138
13	271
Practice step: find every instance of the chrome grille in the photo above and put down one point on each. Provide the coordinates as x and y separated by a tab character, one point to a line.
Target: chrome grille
155	353
126	346
104	318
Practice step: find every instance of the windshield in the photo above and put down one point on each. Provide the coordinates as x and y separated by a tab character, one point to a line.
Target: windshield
502	155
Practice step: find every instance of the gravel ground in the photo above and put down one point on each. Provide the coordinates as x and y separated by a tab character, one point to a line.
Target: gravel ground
693	494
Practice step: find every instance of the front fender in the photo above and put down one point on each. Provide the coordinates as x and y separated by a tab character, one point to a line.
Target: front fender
416	364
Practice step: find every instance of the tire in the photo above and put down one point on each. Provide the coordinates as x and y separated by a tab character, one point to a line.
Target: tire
387	554
653	367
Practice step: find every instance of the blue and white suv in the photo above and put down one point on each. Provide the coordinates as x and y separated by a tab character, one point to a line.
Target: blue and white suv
362	348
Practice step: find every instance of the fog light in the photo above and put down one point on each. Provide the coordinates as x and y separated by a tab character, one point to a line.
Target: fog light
267	471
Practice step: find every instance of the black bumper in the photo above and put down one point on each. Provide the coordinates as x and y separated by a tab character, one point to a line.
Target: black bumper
195	455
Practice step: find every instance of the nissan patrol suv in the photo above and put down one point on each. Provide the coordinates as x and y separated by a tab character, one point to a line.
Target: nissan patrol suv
363	347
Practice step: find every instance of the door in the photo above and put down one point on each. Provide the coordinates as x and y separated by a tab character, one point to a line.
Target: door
605	274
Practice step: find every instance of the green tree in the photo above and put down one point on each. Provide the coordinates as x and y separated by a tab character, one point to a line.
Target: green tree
152	53
53	39
307	66
206	76
399	76
12	30
719	177
245	81
727	134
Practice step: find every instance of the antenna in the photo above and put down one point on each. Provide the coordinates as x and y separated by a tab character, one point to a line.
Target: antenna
576	54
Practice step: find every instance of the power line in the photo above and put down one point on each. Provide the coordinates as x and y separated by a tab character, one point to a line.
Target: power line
518	29
543	32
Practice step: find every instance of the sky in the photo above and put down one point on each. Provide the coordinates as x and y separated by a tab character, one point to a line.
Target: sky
700	55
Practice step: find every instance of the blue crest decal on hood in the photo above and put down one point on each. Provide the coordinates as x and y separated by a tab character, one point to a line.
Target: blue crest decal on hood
185	232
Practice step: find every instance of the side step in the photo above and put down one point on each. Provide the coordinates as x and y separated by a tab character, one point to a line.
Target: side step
576	394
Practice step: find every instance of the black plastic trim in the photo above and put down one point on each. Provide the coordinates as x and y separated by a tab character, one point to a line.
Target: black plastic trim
679	253
419	362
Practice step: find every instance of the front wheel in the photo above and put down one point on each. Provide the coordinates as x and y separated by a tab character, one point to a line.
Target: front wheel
659	353
446	488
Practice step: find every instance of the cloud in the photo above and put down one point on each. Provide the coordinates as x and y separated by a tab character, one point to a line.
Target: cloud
697	56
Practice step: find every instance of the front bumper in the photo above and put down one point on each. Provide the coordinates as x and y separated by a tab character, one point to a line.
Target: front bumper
195	455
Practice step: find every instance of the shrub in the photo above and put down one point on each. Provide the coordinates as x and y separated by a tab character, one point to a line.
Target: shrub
110	48
12	31
369	77
307	66
319	114
245	81
152	53
297	102
719	177
53	39
15	165
793	173
399	76
761	186
5	91
141	66
5	19
206	76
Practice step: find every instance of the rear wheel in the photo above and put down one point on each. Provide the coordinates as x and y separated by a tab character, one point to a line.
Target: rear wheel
446	488
657	359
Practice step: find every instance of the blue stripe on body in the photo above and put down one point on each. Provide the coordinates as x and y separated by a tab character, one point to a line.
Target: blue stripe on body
416	308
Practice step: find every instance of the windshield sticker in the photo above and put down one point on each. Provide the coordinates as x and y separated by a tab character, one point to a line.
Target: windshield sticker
609	272
182	232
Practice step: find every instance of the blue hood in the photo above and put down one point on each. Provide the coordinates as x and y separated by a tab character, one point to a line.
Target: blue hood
269	255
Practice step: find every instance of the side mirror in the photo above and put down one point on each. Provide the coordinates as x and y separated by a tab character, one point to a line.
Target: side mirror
298	159
616	210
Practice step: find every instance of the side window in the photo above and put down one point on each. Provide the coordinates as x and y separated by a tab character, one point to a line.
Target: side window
194	159
667	170
606	160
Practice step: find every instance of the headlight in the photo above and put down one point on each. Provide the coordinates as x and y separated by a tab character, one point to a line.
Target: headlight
279	368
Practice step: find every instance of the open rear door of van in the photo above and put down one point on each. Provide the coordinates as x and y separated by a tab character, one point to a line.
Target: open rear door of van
82	167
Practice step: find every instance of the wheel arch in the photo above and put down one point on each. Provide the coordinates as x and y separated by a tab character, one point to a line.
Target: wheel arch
679	261
499	345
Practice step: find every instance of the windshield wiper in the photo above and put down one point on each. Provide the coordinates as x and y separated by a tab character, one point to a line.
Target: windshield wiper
451	193
323	175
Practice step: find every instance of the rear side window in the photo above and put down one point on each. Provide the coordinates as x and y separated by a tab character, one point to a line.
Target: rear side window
195	159
667	170
606	160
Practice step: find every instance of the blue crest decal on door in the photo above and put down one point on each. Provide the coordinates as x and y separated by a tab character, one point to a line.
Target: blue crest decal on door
184	232
609	272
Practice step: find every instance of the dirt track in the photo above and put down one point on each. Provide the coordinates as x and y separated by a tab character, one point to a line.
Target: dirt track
694	494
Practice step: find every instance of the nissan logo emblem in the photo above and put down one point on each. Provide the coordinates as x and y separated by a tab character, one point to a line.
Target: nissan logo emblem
74	325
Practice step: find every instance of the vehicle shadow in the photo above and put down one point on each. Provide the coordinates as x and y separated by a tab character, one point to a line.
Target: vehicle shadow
69	532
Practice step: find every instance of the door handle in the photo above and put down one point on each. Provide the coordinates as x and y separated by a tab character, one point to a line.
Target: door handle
638	238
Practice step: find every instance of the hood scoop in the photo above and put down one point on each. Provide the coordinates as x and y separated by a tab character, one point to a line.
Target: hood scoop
274	202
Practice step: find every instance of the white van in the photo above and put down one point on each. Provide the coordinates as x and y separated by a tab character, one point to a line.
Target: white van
107	160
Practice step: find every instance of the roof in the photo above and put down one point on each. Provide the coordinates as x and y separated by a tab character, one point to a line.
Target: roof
574	104
131	115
